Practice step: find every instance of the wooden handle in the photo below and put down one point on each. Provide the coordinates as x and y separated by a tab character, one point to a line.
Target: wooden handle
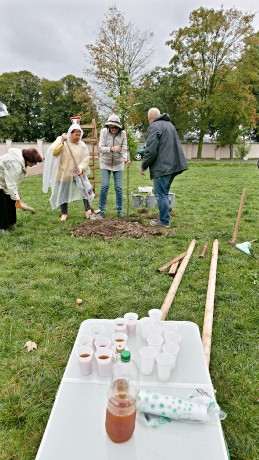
168	264
209	307
80	177
203	251
173	268
234	237
177	279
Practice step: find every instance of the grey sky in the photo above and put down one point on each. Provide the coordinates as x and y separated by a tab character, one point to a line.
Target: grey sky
47	37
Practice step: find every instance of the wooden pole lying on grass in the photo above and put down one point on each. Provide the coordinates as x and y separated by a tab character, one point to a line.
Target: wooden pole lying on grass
173	268
203	251
168	264
177	279
234	237
209	307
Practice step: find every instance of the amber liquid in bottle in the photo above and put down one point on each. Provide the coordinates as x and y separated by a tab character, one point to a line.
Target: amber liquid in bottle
120	417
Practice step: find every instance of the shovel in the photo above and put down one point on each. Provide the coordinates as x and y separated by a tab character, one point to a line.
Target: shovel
245	247
24	206
95	214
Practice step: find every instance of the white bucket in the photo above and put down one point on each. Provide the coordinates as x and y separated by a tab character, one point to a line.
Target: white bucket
171	198
137	201
151	202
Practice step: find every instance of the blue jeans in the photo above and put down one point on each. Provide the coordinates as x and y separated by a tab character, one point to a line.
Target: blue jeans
161	189
117	176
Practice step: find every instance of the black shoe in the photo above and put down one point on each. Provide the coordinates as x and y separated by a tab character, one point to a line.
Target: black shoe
102	214
158	223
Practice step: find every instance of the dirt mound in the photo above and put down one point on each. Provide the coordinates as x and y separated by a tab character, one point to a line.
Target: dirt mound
110	228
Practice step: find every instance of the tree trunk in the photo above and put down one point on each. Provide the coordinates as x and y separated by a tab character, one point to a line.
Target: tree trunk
231	150
200	144
128	192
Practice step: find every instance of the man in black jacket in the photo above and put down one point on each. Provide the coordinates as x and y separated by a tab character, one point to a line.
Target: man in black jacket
165	159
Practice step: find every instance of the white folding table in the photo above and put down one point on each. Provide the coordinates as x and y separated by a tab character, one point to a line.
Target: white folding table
76	426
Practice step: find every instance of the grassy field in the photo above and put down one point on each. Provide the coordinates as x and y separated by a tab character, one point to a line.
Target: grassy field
44	270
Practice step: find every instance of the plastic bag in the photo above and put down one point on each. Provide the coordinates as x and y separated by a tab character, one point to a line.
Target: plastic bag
88	186
155	409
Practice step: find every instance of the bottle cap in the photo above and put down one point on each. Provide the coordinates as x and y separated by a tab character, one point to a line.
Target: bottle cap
125	356
119	348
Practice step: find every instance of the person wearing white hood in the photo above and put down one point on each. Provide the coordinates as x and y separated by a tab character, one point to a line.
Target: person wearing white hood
114	155
13	166
62	171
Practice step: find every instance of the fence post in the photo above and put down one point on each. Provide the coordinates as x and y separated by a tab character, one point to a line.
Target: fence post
8	143
40	147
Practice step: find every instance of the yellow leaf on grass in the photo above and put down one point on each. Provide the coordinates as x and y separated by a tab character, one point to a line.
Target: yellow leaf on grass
79	301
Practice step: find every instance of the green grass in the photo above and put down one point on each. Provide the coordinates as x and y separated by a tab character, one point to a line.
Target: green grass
44	270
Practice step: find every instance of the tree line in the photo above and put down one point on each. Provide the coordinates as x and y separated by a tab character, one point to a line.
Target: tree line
210	87
40	108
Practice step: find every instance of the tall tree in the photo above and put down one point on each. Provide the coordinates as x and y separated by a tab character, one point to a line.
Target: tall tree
20	93
42	108
117	60
62	99
205	52
160	88
234	110
250	69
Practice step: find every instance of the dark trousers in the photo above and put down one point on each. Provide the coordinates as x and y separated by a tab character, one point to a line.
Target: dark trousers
64	206
7	211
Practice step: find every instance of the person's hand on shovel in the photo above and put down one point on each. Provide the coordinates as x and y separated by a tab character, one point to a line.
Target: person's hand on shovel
63	138
20	204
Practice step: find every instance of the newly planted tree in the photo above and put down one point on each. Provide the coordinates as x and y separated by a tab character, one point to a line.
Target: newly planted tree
116	60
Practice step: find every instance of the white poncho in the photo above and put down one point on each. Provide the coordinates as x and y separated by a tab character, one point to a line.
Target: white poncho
60	171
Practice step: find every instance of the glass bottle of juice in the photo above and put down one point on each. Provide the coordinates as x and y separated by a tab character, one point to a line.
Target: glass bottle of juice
122	398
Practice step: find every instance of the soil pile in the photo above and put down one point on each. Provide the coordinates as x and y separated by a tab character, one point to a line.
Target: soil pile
109	228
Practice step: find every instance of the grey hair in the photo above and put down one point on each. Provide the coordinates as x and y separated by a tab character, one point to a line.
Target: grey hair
154	112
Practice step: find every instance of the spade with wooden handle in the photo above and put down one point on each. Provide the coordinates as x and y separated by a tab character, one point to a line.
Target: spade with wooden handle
94	213
24	206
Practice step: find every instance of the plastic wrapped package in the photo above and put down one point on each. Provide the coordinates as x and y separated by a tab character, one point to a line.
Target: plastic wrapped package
157	408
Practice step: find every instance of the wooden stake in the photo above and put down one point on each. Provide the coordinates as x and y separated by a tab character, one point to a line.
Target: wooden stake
177	279
173	268
168	264
234	237
209	308
203	251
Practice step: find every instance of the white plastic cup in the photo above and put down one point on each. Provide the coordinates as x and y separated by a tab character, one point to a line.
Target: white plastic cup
172	349
155	341
102	342
85	340
96	330
164	366
104	360
119	338
144	323
169	327
154	328
85	358
155	315
120	325
132	319
147	360
173	337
